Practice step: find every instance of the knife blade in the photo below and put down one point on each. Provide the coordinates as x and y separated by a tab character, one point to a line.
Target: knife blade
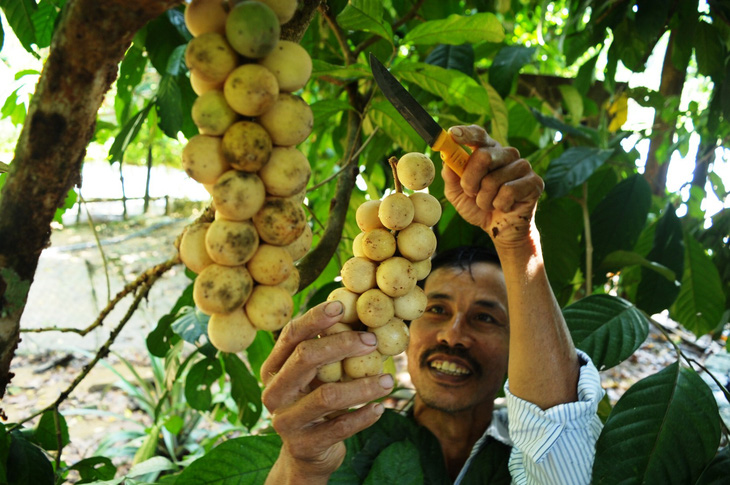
436	137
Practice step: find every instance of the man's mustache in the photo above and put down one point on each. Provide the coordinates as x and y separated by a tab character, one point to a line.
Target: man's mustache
459	352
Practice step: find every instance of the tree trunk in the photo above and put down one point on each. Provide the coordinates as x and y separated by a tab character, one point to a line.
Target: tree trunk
663	132
87	47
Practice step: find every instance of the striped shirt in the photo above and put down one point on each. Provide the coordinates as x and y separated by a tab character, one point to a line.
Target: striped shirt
551	446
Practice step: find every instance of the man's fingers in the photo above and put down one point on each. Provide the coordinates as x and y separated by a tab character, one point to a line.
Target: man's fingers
473	136
298	330
331	397
295	375
483	162
525	189
492	184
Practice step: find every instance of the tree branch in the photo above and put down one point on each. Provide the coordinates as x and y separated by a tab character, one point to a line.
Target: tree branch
89	43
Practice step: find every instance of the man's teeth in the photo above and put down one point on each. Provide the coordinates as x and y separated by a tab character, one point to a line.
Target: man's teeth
449	368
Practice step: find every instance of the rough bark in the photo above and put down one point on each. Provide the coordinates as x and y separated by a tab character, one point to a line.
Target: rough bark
87	47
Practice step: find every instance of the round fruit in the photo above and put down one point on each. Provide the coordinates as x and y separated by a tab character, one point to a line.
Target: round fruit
415	170
374	308
358	274
357	246
301	245
210	57
427	209
396	211
395	276
238	195
269	307
411	305
231	243
349	302
251	89
231	332
252	29
366	215
331	372
286	173
392	337
211	113
246	146
280	221
423	268
291	64
289	121
221	289
202	16
364	365
378	244
192	247
284	9
202	159
291	283
270	265
417	242
201	86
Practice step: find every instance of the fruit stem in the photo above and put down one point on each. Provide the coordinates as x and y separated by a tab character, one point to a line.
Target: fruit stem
393	162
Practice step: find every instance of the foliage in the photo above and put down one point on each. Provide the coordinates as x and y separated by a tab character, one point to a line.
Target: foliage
617	251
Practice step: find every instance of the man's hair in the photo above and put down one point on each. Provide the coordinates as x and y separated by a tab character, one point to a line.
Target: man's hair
464	256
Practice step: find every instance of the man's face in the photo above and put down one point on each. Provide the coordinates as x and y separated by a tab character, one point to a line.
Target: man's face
457	354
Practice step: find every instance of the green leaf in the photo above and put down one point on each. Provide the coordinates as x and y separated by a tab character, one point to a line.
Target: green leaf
717	470
609	329
709	50
500	116
458	57
239	461
163	37
397	464
44	19
366	15
619	217
622	259
555	124
701	301
45	433
5	441
68	203
197	384
344	73
94	468
654	292
452	87
664	429
27	464
651	18
2	40
149	445
245	390
131	71
167	105
259	351
190	325
572	168
573	101
392	123
16	291
19	14
457	29
127	134
162	338
324	109
507	64
154	464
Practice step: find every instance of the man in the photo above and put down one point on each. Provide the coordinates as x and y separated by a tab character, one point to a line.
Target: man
482	321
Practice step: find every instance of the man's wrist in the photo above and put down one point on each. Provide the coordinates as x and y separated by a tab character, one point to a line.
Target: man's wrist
289	470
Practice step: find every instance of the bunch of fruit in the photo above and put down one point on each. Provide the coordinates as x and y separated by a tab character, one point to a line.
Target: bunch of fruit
245	154
391	254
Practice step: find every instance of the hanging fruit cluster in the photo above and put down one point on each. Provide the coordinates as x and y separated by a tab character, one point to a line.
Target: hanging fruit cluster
391	254
245	155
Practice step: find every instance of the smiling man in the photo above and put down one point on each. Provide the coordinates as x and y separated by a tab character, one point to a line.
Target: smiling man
486	317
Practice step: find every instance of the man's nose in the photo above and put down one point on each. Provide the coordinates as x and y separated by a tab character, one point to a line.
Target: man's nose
454	332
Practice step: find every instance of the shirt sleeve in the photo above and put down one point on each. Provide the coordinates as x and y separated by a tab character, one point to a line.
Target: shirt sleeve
556	445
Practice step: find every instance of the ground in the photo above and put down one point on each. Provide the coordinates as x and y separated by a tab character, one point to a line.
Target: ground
70	289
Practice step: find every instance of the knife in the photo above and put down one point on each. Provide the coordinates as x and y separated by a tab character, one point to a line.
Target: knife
436	137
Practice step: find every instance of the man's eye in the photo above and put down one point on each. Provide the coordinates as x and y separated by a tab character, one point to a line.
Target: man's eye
485	318
437	309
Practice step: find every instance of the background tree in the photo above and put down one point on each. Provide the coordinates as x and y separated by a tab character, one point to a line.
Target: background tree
542	76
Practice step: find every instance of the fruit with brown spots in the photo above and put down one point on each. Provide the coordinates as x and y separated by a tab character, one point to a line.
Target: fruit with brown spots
210	57
238	195
286	173
231	243
291	64
211	113
252	29
280	221
202	159
289	121
251	89
222	289
246	146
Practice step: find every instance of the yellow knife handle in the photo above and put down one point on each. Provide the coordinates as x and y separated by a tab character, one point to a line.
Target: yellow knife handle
452	153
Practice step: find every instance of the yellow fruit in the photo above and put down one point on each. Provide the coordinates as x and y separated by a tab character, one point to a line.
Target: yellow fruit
286	173
238	195
246	146
280	221
291	64
270	265
289	121
210	57
252	29
415	170
221	289
231	332
365	365
192	247
231	243
251	89
201	86
202	159
269	307
202	16
211	113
